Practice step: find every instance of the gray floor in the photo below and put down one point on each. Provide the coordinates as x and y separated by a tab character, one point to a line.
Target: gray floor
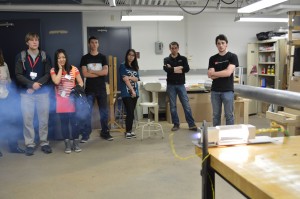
122	169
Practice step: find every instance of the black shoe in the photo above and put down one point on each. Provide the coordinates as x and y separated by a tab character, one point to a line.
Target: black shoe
175	127
106	136
46	149
1	154
16	150
193	128
85	137
84	140
29	151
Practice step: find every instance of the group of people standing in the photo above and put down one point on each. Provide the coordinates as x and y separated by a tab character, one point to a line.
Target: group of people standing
34	73
220	69
35	76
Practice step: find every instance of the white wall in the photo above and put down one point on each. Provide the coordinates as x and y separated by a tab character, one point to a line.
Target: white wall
195	35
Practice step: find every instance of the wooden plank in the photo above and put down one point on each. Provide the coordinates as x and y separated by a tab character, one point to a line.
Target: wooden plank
294	42
282	118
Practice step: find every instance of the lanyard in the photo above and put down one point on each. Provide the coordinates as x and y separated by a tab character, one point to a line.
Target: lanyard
36	60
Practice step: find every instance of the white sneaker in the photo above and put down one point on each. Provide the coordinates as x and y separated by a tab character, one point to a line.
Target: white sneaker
133	134
128	135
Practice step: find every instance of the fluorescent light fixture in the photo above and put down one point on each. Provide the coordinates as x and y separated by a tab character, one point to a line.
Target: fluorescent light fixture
259	5
256	19
151	18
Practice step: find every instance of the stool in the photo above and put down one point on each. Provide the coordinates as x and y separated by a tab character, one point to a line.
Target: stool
151	126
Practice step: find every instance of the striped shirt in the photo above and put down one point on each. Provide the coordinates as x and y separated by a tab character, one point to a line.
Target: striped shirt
66	83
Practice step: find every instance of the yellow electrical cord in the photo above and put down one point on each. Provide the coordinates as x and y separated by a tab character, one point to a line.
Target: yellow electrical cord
274	128
174	151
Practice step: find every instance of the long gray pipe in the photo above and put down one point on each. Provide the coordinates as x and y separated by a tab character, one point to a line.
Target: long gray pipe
283	98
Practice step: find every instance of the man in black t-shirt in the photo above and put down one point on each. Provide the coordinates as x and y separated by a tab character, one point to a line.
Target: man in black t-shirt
94	69
220	69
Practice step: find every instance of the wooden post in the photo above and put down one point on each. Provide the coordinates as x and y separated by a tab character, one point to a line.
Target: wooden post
112	63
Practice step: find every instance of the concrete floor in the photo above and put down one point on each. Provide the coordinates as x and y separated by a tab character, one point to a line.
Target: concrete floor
154	168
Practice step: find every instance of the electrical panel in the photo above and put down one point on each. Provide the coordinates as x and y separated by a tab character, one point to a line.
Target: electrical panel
159	48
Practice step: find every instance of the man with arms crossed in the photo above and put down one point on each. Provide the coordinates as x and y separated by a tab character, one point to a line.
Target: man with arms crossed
94	69
176	66
220	69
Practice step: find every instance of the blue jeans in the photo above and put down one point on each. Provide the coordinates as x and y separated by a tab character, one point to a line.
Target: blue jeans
103	110
173	91
227	98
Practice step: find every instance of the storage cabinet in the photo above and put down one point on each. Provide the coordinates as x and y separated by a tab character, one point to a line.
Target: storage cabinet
268	57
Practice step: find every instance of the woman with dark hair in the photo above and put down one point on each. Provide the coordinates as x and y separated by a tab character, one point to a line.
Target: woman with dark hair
64	77
129	76
9	123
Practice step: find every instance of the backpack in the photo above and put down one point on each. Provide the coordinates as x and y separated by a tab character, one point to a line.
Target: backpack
23	57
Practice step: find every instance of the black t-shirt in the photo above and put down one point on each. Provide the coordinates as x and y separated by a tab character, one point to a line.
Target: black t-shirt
94	85
220	63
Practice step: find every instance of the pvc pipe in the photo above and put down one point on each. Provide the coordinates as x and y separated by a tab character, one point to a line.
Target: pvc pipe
282	98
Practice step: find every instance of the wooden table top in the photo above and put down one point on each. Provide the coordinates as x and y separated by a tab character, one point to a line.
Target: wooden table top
262	170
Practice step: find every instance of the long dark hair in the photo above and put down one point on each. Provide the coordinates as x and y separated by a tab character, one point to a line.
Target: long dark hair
67	66
1	58
134	63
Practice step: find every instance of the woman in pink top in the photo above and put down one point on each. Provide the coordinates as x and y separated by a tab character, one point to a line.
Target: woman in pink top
64	77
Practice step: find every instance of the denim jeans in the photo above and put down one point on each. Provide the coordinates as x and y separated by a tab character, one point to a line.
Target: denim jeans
28	104
227	98
103	110
173	91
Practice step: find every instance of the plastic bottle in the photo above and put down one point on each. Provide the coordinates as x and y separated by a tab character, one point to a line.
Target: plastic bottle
273	70
269	70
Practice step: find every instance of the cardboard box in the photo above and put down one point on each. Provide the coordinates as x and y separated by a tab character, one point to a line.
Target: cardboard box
200	105
294	84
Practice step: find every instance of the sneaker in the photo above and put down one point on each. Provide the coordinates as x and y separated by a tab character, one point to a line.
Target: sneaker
175	127
106	136
133	134
68	146
16	150
85	137
29	151
75	146
84	140
193	128
46	149
128	135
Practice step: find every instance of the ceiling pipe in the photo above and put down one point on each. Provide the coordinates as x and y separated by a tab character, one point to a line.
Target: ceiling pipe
91	8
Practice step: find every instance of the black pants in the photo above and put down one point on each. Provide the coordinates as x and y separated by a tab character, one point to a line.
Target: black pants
130	104
67	119
103	110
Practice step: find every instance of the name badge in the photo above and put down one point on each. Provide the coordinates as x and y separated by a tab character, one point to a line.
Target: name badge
63	94
68	77
33	75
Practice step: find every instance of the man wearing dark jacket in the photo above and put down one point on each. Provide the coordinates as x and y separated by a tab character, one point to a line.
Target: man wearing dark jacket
176	66
32	73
